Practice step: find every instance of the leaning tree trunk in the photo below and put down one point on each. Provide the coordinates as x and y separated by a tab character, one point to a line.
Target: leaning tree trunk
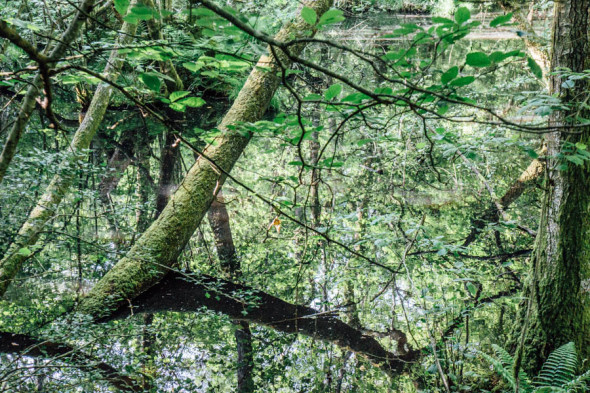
28	102
47	205
158	248
559	288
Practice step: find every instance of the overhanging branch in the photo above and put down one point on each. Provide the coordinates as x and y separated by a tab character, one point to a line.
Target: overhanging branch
191	293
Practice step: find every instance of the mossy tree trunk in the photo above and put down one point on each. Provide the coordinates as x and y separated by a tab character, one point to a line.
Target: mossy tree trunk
47	205
559	286
158	248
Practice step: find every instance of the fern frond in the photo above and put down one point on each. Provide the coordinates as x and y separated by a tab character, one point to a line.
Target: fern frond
560	367
503	356
504	372
503	364
578	384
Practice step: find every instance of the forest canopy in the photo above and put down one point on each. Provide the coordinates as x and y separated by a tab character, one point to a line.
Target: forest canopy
294	196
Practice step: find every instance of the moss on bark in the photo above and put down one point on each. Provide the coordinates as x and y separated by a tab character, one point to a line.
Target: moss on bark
60	184
159	247
558	290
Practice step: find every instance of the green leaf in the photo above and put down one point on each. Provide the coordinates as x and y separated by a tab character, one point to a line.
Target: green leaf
177	107
478	59
312	97
139	12
449	75
532	153
193	102
471	288
501	20
462	15
25	252
331	16
151	80
355	98
309	15
463	81
332	91
535	68
178	95
444	21
193	67
121	6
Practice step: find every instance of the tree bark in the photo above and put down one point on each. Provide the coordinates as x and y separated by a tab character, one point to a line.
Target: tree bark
228	260
224	242
492	214
168	159
28	103
161	244
61	182
557	310
183	293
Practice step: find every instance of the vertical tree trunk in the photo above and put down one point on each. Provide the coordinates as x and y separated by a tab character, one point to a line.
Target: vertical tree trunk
47	205
116	166
168	159
159	247
558	292
144	189
228	259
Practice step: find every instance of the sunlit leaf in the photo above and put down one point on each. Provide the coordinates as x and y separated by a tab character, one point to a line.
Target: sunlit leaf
309	15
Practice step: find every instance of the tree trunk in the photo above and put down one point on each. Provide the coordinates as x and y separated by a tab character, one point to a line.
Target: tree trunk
47	205
144	188
224	243
228	259
153	254
168	158
558	292
186	293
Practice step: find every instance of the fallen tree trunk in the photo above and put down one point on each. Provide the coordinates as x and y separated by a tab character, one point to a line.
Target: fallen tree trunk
185	293
25	345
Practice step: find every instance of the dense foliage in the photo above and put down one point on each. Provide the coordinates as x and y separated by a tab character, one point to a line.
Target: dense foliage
380	231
